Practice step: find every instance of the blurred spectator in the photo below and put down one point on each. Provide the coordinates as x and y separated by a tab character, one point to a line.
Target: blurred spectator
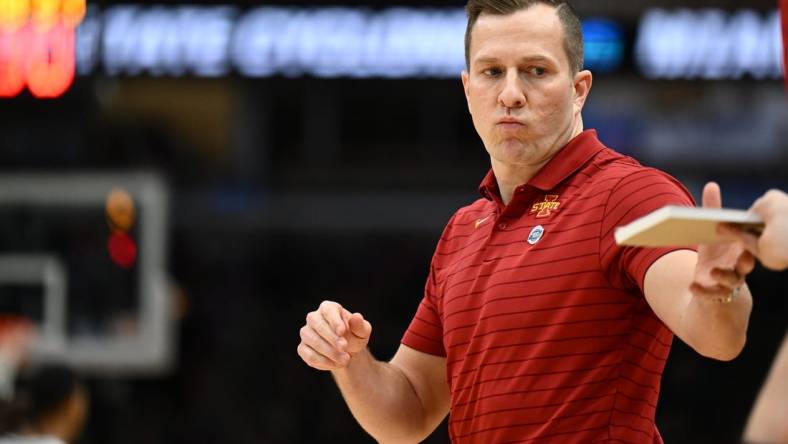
50	406
768	422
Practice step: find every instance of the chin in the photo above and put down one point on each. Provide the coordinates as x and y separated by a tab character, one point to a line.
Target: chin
513	153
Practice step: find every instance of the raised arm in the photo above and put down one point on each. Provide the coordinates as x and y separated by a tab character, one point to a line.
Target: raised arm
401	401
702	296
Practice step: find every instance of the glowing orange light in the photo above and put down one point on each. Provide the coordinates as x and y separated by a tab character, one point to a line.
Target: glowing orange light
14	14
13	75
120	210
50	64
45	14
73	11
37	46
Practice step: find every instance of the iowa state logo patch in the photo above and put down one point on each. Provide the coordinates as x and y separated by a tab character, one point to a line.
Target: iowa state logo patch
547	206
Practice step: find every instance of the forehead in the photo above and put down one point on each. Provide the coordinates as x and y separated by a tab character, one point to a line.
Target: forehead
535	31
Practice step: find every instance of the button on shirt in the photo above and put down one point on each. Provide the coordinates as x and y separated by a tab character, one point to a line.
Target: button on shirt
540	315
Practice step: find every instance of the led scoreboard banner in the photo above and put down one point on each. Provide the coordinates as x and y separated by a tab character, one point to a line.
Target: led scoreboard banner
37	45
43	43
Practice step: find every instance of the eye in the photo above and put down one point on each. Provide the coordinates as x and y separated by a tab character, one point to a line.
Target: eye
538	71
492	72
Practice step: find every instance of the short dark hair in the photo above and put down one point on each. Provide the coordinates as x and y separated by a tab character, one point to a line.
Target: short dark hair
573	33
38	393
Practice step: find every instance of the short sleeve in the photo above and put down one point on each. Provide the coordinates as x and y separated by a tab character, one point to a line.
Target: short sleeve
634	196
425	332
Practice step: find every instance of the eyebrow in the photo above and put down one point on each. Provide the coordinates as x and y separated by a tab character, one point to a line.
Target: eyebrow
489	59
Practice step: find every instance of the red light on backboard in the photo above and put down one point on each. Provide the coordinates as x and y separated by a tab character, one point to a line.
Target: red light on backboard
122	249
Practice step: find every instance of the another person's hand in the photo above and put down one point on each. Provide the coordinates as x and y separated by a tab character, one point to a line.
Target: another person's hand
771	247
721	269
332	336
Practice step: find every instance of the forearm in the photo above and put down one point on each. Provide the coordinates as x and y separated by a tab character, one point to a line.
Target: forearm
715	329
382	400
767	420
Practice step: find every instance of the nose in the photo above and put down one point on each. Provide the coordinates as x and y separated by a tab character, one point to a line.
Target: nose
512	94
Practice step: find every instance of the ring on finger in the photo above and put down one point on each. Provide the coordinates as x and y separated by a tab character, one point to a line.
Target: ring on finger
731	296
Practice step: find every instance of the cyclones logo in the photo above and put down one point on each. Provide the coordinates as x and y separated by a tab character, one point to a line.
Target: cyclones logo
546	207
37	46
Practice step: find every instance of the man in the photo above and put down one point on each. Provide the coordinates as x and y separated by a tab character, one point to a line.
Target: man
50	406
767	423
535	326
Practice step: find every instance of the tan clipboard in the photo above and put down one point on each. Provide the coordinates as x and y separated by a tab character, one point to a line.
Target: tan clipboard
684	226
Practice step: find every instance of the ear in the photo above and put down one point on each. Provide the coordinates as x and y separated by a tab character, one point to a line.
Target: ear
582	86
466	79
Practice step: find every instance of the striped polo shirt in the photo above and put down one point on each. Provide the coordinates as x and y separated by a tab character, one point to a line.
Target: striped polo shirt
540	315
784	21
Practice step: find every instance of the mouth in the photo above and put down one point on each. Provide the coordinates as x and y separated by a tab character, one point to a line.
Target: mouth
510	119
511	124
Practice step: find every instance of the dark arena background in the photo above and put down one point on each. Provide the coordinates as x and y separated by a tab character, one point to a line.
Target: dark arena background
182	183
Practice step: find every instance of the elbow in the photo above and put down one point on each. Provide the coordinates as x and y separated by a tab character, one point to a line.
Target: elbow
410	433
725	356
410	439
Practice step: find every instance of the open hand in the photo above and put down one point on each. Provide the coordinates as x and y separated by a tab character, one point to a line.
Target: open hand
721	269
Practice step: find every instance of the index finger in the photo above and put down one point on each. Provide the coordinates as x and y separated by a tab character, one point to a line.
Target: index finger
332	313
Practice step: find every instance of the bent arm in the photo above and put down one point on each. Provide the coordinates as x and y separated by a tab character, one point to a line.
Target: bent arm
714	329
401	401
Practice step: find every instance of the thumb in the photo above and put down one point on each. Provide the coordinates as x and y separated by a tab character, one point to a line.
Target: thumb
712	197
359	326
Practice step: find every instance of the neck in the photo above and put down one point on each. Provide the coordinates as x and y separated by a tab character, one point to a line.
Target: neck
511	176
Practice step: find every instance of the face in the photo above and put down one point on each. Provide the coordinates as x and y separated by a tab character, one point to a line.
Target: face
524	100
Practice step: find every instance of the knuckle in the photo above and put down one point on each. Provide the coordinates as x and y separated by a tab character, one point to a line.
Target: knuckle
308	356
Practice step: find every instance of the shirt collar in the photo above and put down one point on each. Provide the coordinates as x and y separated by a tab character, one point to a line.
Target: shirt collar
567	161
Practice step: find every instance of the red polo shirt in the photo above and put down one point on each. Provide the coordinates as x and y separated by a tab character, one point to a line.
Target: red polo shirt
541	316
784	20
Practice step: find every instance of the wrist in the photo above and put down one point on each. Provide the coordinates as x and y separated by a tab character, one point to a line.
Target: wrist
357	360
